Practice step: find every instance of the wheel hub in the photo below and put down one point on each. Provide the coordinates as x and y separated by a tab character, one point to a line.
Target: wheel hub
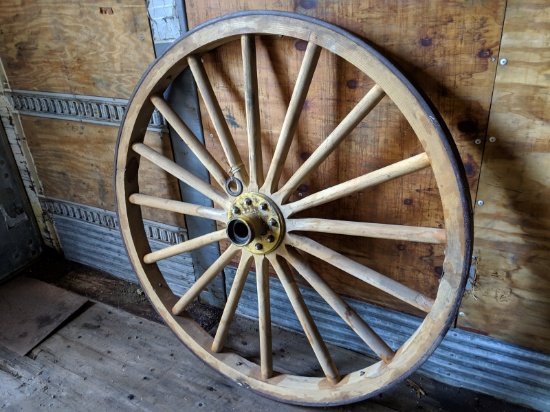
255	223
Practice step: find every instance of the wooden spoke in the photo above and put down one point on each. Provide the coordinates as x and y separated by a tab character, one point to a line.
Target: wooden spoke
207	277
306	320
248	45
292	116
190	140
232	301
178	207
185	247
354	321
369	102
362	272
185	176
216	114
372	230
382	175
264	315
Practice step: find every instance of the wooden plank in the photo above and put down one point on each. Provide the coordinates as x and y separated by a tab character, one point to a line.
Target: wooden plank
108	359
75	163
30	310
15	391
75	47
447	50
512	243
142	363
101	369
46	385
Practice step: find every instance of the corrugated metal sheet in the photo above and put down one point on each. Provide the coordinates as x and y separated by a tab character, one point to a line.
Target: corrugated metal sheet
102	248
463	359
89	214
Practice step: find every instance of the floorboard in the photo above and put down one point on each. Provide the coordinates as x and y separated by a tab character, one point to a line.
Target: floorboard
30	310
106	358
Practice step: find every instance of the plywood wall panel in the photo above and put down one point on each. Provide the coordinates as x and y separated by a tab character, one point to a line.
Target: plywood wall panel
447	50
511	297
75	163
98	49
89	49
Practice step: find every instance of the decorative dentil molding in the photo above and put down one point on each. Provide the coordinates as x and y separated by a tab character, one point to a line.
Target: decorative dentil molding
105	218
91	109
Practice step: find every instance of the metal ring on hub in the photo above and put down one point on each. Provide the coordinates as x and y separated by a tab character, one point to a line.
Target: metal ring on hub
228	188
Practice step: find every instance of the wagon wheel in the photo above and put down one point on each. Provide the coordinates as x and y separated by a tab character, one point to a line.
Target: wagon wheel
261	223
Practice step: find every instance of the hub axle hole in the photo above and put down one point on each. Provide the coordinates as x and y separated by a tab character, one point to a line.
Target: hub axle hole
239	232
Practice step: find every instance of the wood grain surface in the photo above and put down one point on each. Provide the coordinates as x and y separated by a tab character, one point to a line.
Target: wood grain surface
446	50
109	359
75	47
511	298
30	310
75	163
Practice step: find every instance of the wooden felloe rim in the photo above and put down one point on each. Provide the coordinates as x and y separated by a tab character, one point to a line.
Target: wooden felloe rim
439	154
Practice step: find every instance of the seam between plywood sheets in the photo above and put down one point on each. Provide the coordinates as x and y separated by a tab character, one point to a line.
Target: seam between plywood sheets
489	116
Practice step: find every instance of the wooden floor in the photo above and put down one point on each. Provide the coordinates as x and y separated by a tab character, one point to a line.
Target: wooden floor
104	358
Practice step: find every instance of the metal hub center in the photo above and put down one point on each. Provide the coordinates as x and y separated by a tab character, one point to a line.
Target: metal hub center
255	223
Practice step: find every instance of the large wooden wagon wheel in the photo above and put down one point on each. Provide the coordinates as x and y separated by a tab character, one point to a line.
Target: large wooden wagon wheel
262	224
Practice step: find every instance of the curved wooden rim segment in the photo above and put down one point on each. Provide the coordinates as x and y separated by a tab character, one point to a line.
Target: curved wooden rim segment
439	153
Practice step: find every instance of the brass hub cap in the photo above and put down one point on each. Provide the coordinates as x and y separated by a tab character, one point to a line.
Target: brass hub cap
255	223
